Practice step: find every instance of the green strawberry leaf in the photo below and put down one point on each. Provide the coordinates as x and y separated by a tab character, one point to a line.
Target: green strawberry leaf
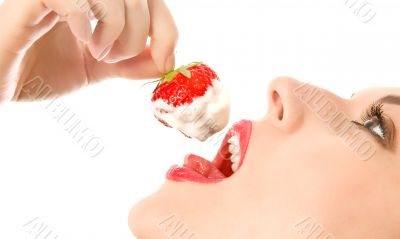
196	63
185	72
169	76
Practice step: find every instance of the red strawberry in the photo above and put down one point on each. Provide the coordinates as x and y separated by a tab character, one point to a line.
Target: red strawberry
183	84
181	99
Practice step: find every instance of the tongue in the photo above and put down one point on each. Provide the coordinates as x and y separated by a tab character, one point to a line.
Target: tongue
203	167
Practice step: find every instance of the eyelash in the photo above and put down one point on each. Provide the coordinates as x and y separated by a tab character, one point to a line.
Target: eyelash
374	112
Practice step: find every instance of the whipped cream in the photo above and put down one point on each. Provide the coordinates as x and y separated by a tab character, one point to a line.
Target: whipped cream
202	118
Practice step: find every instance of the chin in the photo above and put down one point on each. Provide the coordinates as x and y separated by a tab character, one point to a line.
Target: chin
166	212
142	219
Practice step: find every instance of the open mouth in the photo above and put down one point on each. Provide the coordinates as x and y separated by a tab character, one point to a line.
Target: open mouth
227	161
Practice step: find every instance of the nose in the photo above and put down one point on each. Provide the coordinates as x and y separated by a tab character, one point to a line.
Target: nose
285	109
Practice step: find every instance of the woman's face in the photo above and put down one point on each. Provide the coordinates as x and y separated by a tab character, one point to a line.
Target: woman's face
309	171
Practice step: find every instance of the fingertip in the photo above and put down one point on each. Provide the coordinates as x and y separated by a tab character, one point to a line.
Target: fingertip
164	59
80	26
99	53
103	54
142	66
169	63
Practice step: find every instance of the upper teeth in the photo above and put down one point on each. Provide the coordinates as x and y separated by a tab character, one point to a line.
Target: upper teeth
234	149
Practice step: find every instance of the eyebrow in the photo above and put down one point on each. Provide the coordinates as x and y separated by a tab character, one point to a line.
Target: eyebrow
390	99
395	100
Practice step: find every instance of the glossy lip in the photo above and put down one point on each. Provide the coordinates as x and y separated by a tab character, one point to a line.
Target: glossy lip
186	173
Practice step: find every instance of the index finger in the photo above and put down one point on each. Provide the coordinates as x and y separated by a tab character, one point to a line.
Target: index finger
111	22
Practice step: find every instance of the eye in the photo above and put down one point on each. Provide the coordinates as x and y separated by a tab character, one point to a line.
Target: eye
375	127
373	120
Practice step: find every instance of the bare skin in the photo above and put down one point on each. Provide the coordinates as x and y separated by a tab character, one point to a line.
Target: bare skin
52	40
297	174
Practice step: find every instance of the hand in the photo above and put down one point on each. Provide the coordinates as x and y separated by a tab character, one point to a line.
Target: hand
48	44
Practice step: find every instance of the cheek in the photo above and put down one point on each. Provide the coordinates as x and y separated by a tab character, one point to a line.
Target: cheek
335	185
312	166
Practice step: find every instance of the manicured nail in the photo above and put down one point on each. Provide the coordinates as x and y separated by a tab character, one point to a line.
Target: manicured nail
104	53
111	61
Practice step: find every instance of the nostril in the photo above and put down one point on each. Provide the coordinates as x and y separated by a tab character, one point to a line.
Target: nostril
278	104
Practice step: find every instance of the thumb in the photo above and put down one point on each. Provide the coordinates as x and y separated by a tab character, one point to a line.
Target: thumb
164	35
163	55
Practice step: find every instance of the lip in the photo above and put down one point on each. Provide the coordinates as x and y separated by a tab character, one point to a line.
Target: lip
199	170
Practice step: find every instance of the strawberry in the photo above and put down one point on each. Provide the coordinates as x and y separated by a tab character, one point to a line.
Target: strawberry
182	98
180	86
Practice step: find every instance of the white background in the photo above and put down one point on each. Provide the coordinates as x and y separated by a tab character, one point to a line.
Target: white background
44	173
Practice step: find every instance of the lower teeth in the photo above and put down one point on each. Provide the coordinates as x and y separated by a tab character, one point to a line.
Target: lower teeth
235	167
234	150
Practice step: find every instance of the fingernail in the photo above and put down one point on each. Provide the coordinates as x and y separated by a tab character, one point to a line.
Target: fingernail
111	61
104	53
169	63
